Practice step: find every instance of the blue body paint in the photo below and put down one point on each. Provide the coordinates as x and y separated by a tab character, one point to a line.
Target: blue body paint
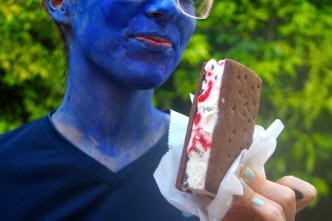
119	51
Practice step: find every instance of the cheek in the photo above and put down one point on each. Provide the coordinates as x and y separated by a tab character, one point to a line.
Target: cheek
186	28
92	33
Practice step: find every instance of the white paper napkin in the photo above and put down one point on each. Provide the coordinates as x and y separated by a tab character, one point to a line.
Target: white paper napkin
263	146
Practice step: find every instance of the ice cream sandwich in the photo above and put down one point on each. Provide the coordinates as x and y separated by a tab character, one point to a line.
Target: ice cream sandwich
221	124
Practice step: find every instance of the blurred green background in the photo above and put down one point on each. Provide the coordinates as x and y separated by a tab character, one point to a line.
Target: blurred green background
288	43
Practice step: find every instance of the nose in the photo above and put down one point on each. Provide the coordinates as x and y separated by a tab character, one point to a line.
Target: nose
163	10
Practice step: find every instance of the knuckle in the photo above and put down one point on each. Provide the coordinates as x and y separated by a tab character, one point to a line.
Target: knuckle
289	195
290	177
287	201
286	179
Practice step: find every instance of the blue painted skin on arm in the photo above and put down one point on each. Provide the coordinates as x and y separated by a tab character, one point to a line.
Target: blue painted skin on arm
119	51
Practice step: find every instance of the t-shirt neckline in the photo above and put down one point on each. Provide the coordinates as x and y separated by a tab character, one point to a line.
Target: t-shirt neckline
90	165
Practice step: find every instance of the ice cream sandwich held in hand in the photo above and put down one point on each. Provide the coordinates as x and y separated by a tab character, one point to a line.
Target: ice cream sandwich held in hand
221	125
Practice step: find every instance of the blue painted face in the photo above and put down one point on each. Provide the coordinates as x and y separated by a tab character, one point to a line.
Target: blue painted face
137	43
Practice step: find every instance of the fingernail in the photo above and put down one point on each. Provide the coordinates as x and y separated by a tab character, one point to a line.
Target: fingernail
298	194
249	174
244	185
257	202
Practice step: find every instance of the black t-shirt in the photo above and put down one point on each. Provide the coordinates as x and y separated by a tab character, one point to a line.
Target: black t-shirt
45	177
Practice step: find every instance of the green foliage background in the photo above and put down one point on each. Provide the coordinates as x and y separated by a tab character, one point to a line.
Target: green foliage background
286	42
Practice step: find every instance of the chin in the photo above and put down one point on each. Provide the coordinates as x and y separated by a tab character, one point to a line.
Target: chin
144	72
144	75
143	82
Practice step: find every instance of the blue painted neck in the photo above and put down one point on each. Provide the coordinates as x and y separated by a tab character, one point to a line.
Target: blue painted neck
102	118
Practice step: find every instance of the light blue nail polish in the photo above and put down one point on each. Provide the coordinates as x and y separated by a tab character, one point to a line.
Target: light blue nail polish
244	185
257	202
249	174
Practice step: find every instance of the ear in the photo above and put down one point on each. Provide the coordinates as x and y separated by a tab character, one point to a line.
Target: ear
58	11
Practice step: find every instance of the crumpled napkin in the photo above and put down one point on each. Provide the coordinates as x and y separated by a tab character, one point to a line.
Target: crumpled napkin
262	147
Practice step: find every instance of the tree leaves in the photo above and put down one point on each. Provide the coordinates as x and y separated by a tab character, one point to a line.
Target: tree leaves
28	74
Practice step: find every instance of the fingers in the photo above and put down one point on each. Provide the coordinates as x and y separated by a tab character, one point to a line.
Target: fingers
279	200
304	191
265	208
280	196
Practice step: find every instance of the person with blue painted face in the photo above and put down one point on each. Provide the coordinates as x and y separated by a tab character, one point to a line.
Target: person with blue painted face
119	51
93	158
